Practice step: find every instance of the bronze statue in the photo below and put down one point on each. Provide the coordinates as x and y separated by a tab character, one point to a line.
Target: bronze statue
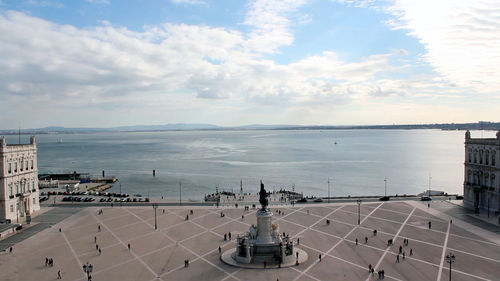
263	196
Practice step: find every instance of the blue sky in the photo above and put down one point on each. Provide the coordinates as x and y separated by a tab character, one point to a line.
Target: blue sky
101	63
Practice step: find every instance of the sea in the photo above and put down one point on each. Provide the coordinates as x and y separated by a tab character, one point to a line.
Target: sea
194	163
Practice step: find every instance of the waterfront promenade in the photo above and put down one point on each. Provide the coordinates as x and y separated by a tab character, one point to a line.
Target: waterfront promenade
160	254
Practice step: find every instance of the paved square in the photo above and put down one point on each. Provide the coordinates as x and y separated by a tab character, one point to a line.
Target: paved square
160	254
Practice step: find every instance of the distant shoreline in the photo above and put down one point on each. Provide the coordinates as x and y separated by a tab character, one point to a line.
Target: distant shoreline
482	125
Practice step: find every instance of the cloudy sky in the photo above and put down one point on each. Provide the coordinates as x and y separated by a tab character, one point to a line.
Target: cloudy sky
101	63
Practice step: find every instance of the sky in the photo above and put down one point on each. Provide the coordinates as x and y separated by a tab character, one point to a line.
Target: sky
105	63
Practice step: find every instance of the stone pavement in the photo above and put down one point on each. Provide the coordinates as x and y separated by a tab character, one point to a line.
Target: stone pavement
160	254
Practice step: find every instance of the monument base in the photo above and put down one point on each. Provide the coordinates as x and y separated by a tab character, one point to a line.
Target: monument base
227	258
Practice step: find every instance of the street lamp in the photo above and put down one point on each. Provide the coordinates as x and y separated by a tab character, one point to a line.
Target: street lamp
430	185
180	193
87	268
359	210
328	190
385	184
155	206
450	259
120	192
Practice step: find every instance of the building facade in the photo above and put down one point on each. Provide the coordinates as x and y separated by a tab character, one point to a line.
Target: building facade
19	198
482	173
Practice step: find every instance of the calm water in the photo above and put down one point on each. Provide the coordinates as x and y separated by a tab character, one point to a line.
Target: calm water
202	160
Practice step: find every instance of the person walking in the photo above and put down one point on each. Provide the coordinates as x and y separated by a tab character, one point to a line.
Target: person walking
95	239
320	257
46	261
366	240
98	228
356	241
99	251
370	267
220	250
430	224
128	246
404	255
59	274
397	258
411	252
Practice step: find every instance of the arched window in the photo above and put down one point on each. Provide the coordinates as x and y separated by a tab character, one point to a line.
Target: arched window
475	156
480	157
469	176
469	155
487	158
493	157
492	180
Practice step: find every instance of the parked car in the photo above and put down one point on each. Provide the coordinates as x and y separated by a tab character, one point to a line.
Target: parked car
302	200
318	200
425	198
459	197
384	198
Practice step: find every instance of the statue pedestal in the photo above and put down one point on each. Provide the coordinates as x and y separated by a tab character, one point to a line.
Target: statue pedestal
264	228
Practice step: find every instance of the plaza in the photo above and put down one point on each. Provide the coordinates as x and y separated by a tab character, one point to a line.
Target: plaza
161	254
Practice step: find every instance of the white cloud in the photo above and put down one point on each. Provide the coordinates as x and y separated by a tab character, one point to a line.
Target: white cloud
182	73
461	38
272	20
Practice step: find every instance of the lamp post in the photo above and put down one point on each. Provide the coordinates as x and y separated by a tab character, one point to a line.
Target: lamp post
385	186
450	258
87	268
488	204
155	206
430	185
328	190
120	192
180	193
359	210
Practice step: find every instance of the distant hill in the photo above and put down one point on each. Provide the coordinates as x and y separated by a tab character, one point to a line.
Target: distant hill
482	125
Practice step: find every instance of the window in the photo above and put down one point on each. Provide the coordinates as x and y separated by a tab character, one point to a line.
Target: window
17	188
22	165
493	156
15	167
32	164
487	158
475	156
10	168
26	165
12	208
469	155
481	157
10	189
34	201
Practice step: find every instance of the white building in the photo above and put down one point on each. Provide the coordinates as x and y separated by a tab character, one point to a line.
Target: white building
482	173
18	180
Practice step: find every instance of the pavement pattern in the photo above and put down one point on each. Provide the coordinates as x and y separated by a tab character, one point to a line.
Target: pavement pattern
160	254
